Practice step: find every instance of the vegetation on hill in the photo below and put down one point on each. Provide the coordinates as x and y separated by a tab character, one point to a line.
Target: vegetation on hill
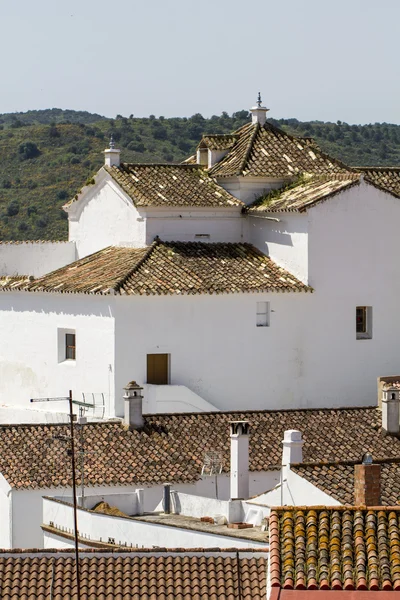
46	156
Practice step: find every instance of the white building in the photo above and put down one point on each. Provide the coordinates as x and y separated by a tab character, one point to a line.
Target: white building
162	281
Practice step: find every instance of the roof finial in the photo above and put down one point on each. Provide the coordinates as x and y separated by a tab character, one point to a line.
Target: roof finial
112	144
259	101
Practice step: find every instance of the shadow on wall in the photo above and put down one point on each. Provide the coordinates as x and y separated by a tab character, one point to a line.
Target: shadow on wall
277	236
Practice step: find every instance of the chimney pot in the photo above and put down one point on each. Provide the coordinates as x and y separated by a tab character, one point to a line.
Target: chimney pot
112	155
239	459
133	400
391	408
259	113
292	447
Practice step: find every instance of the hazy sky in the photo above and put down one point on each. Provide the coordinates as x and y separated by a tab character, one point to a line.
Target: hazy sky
311	59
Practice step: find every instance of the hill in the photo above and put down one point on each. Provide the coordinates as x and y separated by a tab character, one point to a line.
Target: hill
46	156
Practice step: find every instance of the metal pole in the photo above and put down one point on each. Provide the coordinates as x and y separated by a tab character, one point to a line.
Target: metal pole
71	417
82	451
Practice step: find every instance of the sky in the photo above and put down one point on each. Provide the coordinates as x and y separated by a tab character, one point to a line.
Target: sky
310	59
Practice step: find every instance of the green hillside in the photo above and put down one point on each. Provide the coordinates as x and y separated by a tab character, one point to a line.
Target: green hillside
46	156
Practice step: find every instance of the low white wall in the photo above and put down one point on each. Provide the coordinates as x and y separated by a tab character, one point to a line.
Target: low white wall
131	532
199	506
173	398
35	258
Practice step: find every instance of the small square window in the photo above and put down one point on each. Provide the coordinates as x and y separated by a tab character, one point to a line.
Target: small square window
70	346
364	322
262	316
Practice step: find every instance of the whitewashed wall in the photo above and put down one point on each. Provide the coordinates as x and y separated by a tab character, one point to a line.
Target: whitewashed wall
353	261
104	216
27	510
215	347
295	491
29	359
249	189
222	225
99	527
34	258
285	241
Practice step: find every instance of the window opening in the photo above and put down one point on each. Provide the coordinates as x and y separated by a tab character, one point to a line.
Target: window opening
70	346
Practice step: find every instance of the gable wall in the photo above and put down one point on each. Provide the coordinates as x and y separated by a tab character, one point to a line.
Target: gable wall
105	217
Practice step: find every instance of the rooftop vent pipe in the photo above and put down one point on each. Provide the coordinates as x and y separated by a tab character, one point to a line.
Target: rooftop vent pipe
239	459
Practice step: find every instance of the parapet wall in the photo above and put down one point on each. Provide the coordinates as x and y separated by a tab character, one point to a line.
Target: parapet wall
34	258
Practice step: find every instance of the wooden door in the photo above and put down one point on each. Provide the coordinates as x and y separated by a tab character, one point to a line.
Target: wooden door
157	369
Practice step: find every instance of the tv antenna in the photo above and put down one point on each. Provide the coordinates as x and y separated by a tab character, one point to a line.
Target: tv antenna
71	439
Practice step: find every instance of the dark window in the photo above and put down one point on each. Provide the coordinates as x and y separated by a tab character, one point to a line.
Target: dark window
70	346
364	322
157	369
361	319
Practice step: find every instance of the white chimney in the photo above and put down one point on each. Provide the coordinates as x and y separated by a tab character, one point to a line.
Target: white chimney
133	400
259	113
112	155
239	459
292	447
390	408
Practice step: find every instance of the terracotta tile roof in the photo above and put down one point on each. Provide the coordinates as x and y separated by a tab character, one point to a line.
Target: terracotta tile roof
339	549
13	281
138	577
218	141
171	185
337	479
170	268
173	447
304	193
269	152
384	178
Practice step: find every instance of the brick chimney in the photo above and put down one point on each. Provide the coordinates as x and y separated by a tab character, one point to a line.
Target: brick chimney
367	483
239	459
133	400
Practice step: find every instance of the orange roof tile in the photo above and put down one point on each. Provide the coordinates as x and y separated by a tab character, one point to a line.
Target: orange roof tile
171	185
322	548
266	151
173	447
169	268
133	576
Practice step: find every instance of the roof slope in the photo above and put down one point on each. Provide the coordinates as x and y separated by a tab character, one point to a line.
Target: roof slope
266	151
169	268
173	447
304	193
171	185
384	178
337	479
335	548
132	576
